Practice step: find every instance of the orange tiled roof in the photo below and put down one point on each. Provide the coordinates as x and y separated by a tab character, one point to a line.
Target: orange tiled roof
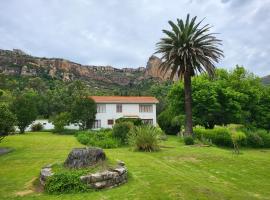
124	99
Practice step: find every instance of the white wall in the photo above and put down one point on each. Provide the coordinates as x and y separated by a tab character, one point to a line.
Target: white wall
48	125
127	110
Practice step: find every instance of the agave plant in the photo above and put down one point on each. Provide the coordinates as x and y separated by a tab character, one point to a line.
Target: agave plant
186	50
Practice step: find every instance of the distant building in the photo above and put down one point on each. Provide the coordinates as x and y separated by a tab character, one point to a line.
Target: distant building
110	108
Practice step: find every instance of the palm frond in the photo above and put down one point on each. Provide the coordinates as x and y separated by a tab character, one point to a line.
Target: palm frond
189	47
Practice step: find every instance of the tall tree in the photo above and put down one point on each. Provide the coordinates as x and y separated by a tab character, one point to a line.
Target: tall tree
188	49
25	108
7	121
83	111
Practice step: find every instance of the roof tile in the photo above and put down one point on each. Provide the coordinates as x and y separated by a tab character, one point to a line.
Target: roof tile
124	99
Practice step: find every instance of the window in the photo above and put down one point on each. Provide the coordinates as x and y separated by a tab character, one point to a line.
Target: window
101	108
146	108
97	124
110	121
147	121
119	108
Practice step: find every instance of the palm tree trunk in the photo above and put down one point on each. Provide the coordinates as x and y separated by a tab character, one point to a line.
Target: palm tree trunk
188	106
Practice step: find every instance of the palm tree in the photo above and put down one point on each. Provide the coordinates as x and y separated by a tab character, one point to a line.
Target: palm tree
187	50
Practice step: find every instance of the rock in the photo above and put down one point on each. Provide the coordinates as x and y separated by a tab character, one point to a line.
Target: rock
45	173
121	163
84	157
106	179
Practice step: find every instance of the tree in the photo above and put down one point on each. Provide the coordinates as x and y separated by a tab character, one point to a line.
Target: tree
84	112
60	121
25	108
7	121
187	50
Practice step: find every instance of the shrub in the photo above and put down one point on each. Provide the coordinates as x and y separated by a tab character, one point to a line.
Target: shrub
219	136
65	182
7	121
60	121
254	140
120	131
188	140
135	121
36	127
169	124
265	137
102	138
144	138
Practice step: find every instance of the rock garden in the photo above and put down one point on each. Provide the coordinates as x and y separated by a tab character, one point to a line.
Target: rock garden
85	169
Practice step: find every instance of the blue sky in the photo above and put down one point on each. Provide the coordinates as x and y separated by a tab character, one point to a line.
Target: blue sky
123	33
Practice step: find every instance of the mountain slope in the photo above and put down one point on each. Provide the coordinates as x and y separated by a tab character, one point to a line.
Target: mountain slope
18	63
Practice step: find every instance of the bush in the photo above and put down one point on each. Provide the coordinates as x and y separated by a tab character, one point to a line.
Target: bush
265	137
65	182
120	131
254	140
102	138
219	136
135	121
36	127
169	124
60	121
188	140
144	138
7	121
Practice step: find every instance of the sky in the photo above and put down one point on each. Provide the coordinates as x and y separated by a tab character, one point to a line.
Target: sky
124	33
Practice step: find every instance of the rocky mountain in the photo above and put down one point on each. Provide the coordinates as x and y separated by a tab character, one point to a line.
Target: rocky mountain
18	63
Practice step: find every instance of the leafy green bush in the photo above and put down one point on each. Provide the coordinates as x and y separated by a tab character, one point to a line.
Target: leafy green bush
254	140
220	135
7	121
144	138
188	140
60	121
120	131
36	127
102	138
265	137
135	121
168	123
65	182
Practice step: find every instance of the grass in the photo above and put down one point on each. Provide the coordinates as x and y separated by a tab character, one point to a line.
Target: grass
179	172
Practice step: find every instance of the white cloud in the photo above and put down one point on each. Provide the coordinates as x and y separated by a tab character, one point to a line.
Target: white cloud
124	33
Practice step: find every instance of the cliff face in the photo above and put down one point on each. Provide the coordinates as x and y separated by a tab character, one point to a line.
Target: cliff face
17	62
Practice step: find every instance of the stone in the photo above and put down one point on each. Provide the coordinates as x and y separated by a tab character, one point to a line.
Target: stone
45	173
106	179
121	163
84	157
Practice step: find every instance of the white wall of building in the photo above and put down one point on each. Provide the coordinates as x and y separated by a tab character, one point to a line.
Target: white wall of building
127	110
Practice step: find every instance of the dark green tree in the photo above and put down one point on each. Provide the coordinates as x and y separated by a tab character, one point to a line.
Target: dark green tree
7	121
83	112
25	108
186	50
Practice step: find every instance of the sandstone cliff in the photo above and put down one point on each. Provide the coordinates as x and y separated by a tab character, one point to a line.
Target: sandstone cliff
17	62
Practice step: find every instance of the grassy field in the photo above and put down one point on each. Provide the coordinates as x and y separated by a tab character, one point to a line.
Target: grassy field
175	172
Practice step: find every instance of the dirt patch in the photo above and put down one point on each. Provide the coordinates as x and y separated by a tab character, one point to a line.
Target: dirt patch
32	186
24	193
5	151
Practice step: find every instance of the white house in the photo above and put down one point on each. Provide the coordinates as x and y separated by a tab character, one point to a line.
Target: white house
110	108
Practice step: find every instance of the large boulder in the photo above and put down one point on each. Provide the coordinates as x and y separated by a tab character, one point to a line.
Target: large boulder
84	157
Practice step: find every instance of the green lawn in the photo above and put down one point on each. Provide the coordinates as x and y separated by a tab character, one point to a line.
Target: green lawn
179	172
